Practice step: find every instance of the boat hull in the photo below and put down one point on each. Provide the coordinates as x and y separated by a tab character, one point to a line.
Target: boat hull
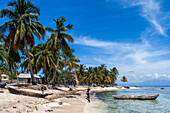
143	97
27	93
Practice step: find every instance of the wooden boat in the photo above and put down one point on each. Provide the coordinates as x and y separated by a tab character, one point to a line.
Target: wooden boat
18	91
142	97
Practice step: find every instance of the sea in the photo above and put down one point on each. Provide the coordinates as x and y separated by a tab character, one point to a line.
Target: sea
111	105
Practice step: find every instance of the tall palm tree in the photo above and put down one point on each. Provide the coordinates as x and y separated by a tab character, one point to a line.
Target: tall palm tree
58	40
23	25
113	73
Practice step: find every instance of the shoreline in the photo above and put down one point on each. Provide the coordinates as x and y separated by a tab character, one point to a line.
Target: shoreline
76	104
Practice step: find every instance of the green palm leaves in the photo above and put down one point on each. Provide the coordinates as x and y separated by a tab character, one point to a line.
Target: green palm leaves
97	75
58	40
52	57
124	79
3	52
23	26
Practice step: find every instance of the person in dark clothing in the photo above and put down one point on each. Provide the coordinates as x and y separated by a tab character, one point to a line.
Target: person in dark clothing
88	94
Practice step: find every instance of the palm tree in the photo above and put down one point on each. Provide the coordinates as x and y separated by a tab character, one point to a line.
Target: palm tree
82	73
25	64
89	75
71	61
13	58
105	78
124	79
113	73
45	58
23	25
3	52
2	37
96	73
58	40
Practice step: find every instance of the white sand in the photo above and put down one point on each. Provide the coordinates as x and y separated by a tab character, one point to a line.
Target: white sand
22	103
25	104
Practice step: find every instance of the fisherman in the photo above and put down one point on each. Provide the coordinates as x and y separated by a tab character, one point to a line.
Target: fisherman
43	88
88	95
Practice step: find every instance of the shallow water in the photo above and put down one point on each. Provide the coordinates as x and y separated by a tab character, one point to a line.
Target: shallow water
160	105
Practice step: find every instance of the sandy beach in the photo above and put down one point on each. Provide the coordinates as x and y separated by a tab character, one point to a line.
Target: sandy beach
13	103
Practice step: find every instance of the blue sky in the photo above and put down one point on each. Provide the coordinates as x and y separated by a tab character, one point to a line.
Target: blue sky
132	35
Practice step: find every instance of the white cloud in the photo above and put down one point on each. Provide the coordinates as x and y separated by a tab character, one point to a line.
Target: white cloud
129	57
84	40
151	11
138	61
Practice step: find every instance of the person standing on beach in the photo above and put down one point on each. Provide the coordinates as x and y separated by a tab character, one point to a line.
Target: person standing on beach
88	94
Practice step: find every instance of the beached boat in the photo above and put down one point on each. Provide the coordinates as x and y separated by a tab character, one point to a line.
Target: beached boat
18	91
142	97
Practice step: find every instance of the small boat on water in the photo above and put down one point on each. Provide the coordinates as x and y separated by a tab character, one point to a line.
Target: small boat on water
142	97
18	91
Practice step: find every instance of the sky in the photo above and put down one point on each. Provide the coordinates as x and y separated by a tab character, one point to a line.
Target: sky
131	35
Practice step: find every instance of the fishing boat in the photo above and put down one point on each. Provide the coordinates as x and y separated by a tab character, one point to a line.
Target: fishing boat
142	97
18	91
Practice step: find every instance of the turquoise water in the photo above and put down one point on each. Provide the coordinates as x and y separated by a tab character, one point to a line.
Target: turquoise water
160	105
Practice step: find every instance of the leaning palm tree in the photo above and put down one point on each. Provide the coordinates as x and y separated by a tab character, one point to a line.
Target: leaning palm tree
58	40
23	25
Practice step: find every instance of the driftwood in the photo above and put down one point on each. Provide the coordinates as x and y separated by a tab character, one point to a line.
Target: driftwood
68	94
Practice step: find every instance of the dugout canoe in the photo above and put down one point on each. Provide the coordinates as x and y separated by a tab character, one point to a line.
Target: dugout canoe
142	97
18	91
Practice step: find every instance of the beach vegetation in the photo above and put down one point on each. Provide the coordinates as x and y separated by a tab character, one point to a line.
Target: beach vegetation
20	52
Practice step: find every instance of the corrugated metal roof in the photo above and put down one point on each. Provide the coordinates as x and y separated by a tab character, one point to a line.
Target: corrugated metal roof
22	75
4	75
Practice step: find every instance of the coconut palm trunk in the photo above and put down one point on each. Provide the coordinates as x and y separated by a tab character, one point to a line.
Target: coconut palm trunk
75	77
54	74
32	76
11	73
45	77
16	74
65	77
